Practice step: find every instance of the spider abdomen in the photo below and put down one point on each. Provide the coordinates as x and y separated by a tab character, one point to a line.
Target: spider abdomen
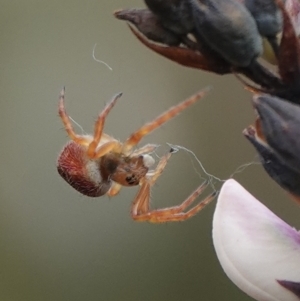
81	172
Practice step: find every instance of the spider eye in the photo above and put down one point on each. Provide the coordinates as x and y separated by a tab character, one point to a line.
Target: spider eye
132	180
148	160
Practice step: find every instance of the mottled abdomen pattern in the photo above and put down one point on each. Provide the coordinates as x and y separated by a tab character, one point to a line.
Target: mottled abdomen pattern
81	172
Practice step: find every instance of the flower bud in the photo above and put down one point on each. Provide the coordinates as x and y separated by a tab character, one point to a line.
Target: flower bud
280	125
268	19
229	29
149	25
274	164
276	138
267	16
175	15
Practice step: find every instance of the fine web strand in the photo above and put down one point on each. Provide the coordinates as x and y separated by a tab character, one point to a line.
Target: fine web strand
213	180
242	167
99	61
211	177
83	132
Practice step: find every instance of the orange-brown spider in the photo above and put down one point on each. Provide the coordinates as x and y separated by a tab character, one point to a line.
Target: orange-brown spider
99	164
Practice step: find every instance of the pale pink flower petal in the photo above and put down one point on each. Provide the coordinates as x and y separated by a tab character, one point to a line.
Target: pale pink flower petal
255	247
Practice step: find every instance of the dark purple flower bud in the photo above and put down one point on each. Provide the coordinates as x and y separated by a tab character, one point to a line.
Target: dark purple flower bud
149	25
268	19
267	16
229	29
175	15
276	138
280	125
274	165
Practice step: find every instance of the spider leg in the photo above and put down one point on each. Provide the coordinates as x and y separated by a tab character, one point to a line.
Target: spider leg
161	165
140	204
135	138
176	214
105	148
99	125
146	149
140	210
80	139
187	202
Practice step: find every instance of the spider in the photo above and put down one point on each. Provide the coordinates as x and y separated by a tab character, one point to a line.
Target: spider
99	164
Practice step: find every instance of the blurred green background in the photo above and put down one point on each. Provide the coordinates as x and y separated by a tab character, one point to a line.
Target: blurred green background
56	244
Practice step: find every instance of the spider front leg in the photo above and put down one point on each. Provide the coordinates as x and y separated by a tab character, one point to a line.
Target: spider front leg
93	151
141	211
92	143
136	137
79	139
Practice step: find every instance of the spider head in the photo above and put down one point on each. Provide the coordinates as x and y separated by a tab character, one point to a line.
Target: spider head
81	172
126	170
